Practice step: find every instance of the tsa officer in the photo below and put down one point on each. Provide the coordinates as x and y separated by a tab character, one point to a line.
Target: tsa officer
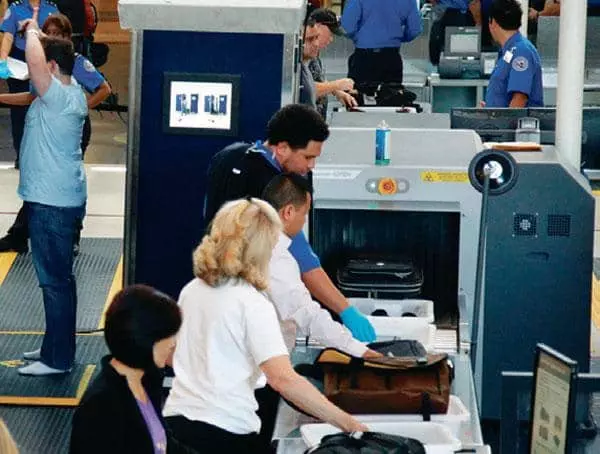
517	78
13	45
378	29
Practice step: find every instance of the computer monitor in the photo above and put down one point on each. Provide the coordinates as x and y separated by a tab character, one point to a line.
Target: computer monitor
462	41
553	398
492	125
206	104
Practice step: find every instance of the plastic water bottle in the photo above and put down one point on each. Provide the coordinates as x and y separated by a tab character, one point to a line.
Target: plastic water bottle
382	144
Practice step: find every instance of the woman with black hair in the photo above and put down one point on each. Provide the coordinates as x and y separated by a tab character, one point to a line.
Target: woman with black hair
121	411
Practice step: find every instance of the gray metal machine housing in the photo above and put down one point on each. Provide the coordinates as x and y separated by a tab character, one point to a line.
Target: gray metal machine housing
539	250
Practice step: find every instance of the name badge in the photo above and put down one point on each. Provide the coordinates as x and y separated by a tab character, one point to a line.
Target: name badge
508	55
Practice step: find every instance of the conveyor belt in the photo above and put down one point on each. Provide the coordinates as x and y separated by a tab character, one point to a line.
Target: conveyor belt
56	390
95	267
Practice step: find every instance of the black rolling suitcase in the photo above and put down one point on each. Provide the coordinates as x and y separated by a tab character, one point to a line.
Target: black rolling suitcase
400	276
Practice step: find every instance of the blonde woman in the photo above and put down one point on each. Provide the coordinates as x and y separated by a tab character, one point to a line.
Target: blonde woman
7	444
230	336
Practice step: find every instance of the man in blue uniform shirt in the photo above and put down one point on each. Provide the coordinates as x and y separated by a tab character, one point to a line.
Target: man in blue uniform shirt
378	28
517	77
13	45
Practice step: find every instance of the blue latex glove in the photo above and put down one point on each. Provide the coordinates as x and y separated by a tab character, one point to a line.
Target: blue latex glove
4	71
358	324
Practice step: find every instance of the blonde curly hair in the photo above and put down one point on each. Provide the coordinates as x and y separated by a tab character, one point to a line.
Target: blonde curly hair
239	244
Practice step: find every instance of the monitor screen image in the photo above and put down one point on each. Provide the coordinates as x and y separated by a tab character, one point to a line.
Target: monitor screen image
464	43
553	402
200	104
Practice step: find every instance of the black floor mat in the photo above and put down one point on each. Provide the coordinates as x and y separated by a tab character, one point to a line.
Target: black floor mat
22	306
55	390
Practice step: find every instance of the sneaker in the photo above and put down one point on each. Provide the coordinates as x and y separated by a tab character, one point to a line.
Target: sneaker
10	244
35	355
39	369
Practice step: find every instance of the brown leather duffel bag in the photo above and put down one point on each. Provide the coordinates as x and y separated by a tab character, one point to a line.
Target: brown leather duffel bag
387	385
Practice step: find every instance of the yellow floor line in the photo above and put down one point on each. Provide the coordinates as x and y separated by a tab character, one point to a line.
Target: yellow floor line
596	301
116	286
6	261
54	401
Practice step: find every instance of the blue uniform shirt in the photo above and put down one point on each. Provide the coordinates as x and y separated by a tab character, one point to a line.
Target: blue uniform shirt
18	13
299	248
374	24
85	73
518	70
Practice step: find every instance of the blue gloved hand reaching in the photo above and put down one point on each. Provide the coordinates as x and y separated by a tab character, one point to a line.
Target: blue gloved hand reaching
4	71
358	324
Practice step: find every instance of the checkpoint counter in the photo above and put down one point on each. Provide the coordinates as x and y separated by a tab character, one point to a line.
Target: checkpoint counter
287	434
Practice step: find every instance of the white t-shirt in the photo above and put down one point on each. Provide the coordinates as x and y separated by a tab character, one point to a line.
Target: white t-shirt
227	332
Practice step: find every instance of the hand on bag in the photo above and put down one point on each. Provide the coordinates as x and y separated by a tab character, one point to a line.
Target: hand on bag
346	99
345	84
358	324
355	426
372	354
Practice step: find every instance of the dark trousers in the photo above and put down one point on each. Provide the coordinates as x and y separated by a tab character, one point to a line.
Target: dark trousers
52	231
203	438
451	18
19	231
375	65
268	402
17	113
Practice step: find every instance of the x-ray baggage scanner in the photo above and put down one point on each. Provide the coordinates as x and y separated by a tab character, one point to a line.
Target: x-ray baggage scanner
538	254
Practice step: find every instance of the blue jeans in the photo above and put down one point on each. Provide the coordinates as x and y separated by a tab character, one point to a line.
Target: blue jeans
52	233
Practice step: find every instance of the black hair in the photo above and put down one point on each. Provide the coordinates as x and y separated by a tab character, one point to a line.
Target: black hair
287	189
506	13
61	51
296	124
137	318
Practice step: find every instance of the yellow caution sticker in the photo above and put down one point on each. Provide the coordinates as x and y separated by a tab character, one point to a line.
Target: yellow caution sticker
431	176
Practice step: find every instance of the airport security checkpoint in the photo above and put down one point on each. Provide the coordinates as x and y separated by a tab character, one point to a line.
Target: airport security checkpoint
452	203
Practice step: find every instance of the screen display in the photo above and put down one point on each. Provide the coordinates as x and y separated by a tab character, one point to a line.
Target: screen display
464	43
200	105
551	405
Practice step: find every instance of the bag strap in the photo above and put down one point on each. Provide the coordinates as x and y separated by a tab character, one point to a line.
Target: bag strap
426	406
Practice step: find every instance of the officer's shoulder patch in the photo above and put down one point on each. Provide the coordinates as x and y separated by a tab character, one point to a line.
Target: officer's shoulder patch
520	63
88	66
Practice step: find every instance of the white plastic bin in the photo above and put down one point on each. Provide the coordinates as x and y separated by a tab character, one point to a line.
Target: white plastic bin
436	438
398	328
423	309
457	415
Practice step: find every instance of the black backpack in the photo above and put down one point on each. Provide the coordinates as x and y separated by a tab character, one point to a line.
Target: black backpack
368	443
226	178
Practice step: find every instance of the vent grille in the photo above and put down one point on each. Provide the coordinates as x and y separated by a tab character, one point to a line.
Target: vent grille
525	225
559	225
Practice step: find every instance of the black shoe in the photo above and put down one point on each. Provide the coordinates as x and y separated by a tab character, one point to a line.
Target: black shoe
17	163
10	244
76	249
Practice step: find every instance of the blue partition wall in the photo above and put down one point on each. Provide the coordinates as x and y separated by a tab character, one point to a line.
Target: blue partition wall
171	180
